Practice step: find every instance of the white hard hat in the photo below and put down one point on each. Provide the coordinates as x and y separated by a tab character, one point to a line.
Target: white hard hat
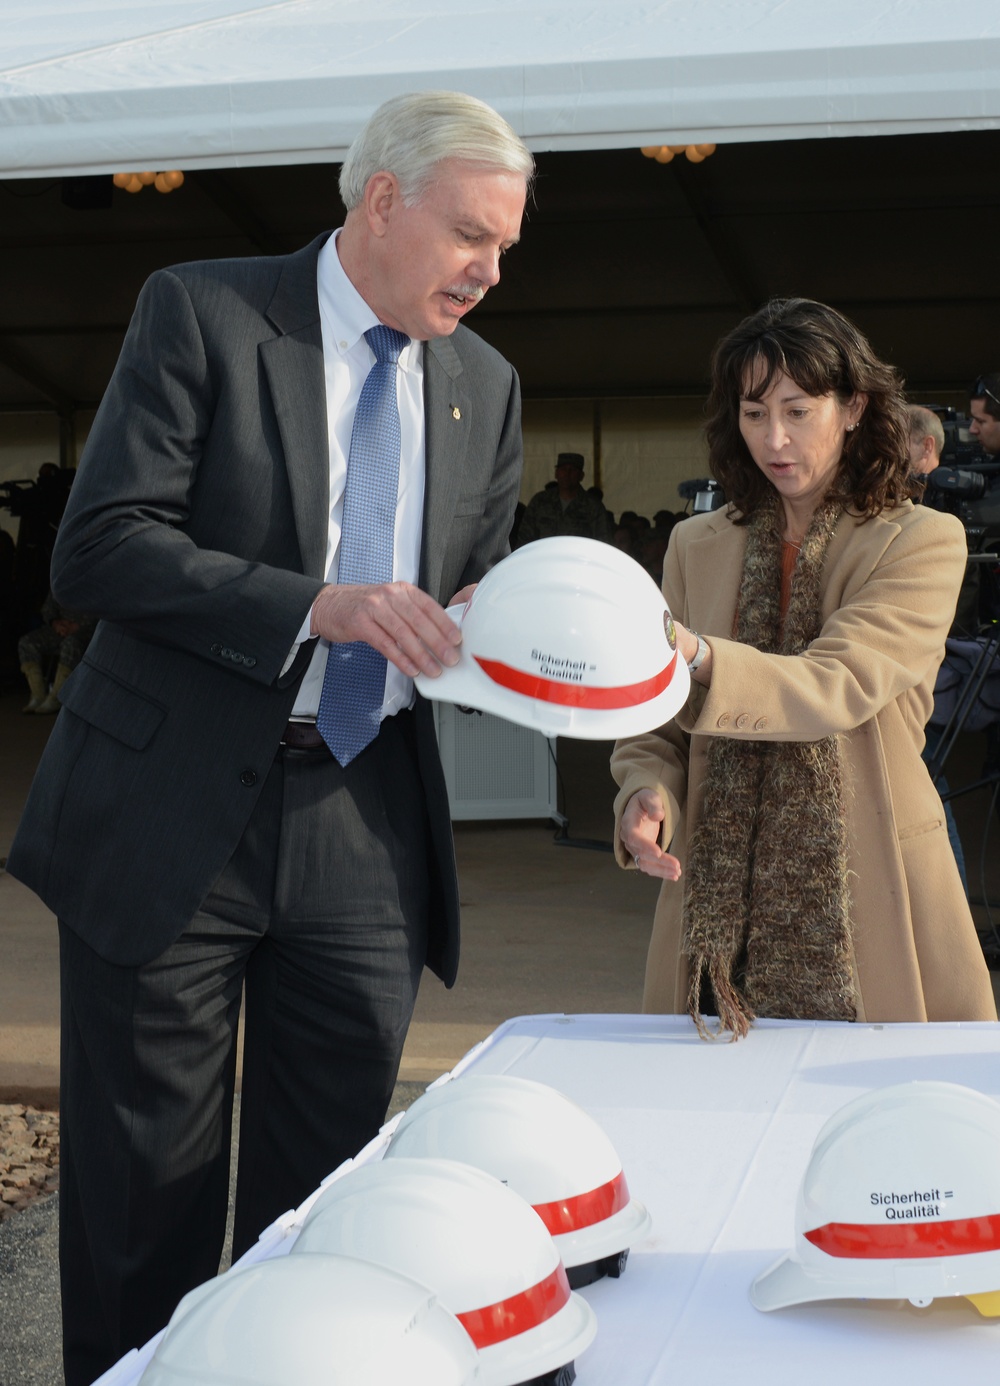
328	1321
473	1241
901	1200
569	637
544	1147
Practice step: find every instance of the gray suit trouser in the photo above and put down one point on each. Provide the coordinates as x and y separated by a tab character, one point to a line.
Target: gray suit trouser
321	915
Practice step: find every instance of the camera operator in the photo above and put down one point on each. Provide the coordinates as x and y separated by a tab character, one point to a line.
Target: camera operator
984	511
927	441
984	412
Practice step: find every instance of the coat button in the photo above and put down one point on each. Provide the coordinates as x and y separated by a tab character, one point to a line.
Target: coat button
724	720
741	721
249	661
217	649
760	724
249	778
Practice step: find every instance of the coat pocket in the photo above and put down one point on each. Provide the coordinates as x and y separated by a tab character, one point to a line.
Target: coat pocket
111	706
473	504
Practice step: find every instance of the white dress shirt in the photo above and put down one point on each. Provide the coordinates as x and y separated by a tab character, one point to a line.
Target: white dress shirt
347	360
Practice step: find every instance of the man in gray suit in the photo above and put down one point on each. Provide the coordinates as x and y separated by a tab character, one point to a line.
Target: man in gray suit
188	824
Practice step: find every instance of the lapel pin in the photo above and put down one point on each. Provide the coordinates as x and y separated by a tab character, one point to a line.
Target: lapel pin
456	413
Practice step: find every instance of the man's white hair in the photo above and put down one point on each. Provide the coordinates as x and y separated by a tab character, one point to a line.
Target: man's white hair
924	423
408	135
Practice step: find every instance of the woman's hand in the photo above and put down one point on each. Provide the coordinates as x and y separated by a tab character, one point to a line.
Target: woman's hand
640	835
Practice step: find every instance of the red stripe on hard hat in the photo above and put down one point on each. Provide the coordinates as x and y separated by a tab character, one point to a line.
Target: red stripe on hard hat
575	694
498	1322
899	1240
570	1214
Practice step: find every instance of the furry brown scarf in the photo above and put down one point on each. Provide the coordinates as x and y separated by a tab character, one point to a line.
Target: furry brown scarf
766	909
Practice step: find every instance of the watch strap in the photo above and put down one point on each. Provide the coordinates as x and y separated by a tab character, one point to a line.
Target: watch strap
699	655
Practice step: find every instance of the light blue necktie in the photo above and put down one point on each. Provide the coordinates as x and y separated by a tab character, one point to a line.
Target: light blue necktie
354	685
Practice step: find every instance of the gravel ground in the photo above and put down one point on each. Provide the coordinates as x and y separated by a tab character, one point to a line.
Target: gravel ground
29	1300
30	1352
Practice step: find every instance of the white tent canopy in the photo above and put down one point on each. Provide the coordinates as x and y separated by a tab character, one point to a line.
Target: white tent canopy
118	84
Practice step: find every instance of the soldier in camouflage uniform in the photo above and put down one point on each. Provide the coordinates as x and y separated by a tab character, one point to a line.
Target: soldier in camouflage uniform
565	508
64	637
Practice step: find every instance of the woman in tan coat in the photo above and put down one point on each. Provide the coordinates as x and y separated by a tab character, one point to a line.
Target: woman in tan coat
805	862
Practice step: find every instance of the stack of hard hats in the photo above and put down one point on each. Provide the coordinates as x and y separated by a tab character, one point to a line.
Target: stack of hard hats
477	1244
545	1148
443	1263
329	1322
569	637
901	1200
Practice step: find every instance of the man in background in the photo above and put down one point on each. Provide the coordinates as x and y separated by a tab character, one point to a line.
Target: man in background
298	460
926	440
984	411
565	508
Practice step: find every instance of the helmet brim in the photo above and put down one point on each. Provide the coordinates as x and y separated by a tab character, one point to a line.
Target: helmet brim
616	1233
543	1349
466	684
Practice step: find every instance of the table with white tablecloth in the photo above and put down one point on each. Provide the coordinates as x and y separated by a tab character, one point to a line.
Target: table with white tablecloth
714	1139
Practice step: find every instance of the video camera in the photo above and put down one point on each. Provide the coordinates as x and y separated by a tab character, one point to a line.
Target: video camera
41	501
16	495
705	492
966	471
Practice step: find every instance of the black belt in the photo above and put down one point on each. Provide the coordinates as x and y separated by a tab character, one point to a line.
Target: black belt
303	736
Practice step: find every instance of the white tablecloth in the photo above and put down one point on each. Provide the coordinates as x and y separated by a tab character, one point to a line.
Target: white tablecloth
714	1139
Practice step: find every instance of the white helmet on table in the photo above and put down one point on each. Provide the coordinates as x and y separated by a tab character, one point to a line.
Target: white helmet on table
569	637
901	1200
474	1242
544	1147
327	1322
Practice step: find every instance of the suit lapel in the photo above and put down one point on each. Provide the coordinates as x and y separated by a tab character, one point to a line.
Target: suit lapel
447	420
293	364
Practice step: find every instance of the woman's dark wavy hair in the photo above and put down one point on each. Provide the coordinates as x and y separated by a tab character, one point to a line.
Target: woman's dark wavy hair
825	355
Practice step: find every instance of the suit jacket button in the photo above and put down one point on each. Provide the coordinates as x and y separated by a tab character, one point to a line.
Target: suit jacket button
741	721
249	778
217	649
724	720
760	724
249	661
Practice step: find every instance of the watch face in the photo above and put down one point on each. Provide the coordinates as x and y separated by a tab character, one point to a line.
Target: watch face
669	630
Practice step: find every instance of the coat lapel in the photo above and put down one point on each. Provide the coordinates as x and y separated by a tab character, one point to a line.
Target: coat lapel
714	569
293	364
447	419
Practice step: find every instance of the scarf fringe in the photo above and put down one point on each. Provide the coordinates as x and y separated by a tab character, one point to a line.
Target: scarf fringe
735	1016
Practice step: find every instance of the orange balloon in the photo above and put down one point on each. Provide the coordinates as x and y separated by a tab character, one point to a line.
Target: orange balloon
651	150
121	180
665	155
160	184
173	178
693	155
133	185
146	178
677	148
705	149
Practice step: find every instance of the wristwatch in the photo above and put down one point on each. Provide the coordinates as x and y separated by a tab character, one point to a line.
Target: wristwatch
699	654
